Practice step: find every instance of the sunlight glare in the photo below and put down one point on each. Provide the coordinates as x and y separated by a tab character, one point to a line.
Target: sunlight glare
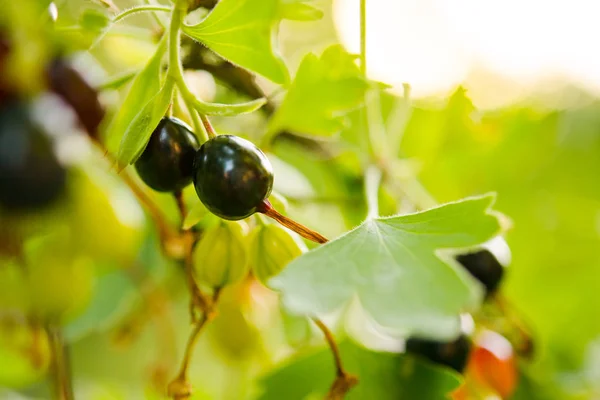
437	44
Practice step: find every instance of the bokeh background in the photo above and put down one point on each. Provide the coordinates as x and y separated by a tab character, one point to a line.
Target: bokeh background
504	98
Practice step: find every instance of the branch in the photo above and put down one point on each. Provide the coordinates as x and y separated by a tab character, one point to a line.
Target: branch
60	363
168	236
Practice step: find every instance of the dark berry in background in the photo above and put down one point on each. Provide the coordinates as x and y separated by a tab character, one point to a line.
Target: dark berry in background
30	174
485	267
453	354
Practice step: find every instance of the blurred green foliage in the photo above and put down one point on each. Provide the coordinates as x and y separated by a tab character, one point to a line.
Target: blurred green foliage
123	304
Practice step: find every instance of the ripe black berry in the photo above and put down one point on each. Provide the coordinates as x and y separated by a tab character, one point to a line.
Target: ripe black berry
30	175
232	177
166	163
454	354
485	267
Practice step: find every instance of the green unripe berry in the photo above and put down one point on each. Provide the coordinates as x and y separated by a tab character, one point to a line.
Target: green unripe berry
220	257
272	247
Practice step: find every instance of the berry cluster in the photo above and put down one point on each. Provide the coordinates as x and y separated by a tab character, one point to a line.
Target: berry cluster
232	176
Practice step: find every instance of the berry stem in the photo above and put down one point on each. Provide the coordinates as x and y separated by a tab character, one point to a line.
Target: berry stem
175	71
267	209
208	126
525	347
60	363
180	205
138	9
198	126
180	388
343	381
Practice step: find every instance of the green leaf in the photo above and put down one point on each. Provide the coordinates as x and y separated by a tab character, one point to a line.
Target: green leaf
241	31
381	376
113	295
394	267
138	132
117	81
296	328
194	216
227	110
323	91
299	10
144	87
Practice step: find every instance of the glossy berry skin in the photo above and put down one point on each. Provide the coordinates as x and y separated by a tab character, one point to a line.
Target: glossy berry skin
166	163
485	267
454	354
30	174
232	177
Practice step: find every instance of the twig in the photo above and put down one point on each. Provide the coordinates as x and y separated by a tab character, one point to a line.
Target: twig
165	230
343	381
525	348
180	205
267	209
60	363
180	388
190	238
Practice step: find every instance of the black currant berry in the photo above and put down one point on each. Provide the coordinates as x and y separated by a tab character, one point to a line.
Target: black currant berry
454	354
485	267
166	165
232	177
30	175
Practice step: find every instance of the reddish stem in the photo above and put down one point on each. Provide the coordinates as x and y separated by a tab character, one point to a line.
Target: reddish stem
208	126
267	209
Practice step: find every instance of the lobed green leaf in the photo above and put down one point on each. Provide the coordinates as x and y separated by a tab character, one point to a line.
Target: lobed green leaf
322	92
394	267
241	31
